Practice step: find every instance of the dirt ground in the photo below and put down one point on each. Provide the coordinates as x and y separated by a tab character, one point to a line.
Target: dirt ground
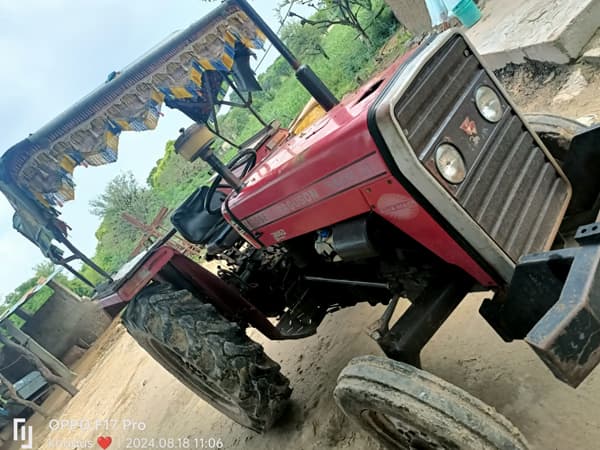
126	386
123	390
540	87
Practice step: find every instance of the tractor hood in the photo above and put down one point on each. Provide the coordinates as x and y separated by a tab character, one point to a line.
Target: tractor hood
184	71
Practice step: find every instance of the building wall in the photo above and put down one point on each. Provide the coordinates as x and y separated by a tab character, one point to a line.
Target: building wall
65	320
412	14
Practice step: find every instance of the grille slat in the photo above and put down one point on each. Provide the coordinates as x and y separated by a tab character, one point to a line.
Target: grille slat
498	187
489	158
431	79
441	105
535	239
512	200
519	235
511	189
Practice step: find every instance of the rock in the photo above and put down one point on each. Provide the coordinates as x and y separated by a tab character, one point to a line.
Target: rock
514	31
575	84
549	78
592	56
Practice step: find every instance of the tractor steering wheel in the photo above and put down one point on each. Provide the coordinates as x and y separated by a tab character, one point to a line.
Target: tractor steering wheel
245	159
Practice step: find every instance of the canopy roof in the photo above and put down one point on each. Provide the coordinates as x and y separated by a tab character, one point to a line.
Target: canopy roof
36	174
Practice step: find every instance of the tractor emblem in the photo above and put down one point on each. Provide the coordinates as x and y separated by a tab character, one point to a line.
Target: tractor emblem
470	128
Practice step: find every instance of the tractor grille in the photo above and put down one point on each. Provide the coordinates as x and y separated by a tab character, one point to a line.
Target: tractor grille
511	189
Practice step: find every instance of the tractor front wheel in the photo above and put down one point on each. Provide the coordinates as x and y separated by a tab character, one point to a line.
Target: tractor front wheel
556	132
407	408
209	354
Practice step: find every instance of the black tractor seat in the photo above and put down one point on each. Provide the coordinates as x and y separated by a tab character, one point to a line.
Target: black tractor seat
196	225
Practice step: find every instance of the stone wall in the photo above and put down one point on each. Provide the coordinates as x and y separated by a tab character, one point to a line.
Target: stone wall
64	321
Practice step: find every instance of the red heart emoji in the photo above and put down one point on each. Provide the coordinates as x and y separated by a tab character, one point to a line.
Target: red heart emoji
104	441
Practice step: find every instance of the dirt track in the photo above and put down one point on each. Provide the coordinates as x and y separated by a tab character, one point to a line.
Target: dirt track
125	384
119	381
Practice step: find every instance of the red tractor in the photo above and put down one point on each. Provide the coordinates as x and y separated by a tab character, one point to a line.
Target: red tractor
426	183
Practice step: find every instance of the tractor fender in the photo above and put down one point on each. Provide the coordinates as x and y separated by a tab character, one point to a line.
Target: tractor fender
167	264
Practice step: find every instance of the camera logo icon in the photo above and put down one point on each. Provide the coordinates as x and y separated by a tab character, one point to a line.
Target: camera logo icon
26	433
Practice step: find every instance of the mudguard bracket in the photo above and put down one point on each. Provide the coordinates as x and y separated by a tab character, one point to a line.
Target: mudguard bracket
553	303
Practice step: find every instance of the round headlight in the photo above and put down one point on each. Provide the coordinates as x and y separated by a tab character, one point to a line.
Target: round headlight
488	104
450	163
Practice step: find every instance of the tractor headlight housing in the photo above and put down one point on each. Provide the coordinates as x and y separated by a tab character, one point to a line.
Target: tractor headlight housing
450	163
488	103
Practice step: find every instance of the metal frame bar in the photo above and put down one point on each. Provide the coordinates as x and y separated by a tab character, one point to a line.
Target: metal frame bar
415	328
313	84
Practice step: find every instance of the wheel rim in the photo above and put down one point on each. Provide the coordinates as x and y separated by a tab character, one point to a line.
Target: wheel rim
400	433
209	391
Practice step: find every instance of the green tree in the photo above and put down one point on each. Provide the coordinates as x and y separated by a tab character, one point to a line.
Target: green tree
333	12
47	268
41	271
13	297
274	76
304	42
116	236
122	194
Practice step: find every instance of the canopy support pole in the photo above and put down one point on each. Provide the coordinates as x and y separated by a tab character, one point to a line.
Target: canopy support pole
247	103
78	275
311	82
85	260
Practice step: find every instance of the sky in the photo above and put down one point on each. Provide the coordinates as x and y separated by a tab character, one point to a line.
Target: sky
53	53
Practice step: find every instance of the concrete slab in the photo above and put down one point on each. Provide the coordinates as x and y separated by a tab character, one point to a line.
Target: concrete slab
556	31
594	42
592	56
591	53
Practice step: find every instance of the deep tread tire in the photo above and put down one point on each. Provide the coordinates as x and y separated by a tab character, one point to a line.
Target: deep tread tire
407	408
556	132
209	354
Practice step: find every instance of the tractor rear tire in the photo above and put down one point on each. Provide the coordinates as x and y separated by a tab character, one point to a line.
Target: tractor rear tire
407	408
209	354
